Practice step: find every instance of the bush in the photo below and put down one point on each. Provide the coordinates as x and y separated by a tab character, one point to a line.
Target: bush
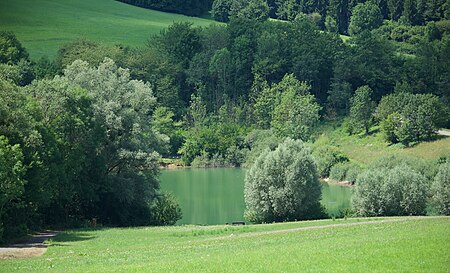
283	185
326	157
388	192
165	210
441	189
345	171
339	171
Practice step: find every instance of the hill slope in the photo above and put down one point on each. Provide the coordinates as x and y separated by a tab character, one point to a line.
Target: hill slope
405	244
44	25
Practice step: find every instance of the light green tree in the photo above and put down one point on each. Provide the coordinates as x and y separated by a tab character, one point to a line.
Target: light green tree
283	185
362	109
441	189
297	113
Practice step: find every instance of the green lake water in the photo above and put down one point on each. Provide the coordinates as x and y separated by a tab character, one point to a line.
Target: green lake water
216	195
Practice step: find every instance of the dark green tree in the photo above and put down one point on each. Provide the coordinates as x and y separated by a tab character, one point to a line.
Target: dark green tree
365	16
11	50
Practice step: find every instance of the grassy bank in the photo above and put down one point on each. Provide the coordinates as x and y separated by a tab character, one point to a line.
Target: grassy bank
395	244
44	25
366	149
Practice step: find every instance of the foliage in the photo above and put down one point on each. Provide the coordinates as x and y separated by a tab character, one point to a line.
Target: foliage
189	7
411	117
85	50
397	191
165	210
440	189
326	157
297	113
362	108
11	50
345	171
365	17
12	173
283	185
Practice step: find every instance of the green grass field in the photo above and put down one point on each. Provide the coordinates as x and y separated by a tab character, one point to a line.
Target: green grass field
353	245
44	25
366	149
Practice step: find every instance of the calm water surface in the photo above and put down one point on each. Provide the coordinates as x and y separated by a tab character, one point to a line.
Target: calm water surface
216	195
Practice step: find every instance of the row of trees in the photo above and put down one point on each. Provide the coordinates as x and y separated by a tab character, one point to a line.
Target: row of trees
187	7
342	16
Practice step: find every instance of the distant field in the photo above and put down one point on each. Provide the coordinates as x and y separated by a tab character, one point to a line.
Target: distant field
366	149
353	245
44	25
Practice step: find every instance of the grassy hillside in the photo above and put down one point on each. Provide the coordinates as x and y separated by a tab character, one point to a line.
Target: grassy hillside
44	25
366	149
357	245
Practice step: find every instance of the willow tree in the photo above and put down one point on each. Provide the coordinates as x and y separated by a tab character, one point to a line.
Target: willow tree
283	185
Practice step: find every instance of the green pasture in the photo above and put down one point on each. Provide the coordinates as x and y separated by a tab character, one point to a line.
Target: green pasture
45	25
352	245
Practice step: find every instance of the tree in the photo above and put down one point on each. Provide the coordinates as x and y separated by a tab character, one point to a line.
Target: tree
441	189
220	10
395	8
362	108
365	16
123	107
283	185
407	117
12	171
287	9
11	50
254	9
410	15
296	116
165	210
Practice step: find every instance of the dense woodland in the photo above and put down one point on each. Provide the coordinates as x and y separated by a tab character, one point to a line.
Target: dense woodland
81	136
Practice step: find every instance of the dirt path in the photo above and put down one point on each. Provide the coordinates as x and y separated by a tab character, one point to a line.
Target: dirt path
33	247
281	231
443	133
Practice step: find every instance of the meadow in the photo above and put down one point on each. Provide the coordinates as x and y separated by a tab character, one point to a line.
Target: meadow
44	26
366	149
406	244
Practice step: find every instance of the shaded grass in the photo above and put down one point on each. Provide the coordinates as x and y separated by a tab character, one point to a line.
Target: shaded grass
45	25
410	245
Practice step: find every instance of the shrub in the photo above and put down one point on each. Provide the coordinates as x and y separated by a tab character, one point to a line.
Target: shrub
165	210
386	192
345	171
339	171
283	185
326	157
441	189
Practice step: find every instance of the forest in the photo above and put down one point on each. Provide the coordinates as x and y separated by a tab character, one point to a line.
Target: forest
82	135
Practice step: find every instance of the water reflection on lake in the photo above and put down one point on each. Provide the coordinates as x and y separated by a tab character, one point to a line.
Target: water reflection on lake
216	195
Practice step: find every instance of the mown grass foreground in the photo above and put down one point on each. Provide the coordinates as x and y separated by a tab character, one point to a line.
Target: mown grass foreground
45	25
354	245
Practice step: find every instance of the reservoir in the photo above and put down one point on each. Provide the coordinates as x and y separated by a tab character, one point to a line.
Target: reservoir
216	195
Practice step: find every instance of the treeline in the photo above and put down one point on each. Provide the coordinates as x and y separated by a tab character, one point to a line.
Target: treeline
333	15
187	7
217	84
